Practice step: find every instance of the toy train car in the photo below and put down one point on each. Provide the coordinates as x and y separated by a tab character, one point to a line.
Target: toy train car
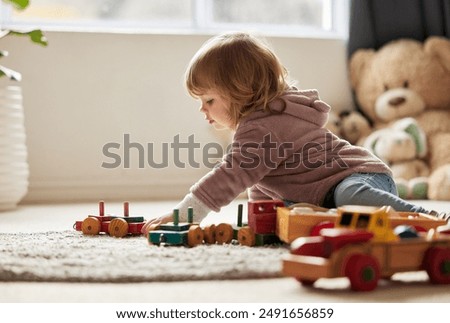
175	233
116	226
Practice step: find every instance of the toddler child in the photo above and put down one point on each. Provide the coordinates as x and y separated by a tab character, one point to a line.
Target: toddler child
281	149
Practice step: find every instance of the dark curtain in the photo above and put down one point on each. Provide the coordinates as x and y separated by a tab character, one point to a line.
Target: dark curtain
376	22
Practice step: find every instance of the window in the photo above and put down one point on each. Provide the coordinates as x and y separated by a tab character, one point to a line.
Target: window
346	219
302	17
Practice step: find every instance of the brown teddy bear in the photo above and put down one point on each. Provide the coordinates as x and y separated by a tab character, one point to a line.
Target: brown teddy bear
349	125
408	78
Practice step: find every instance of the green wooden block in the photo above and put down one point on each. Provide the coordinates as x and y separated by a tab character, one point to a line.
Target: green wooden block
190	215
175	227
239	217
168	237
235	233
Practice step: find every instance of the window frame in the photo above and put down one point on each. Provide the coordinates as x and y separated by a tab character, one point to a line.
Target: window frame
201	23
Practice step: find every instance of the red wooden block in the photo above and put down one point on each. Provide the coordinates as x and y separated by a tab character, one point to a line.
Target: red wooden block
264	206
135	228
262	215
262	223
105	226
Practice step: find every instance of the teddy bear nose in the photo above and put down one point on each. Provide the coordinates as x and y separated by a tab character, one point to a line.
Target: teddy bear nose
397	101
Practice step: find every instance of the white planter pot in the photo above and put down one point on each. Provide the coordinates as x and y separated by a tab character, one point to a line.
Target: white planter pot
14	170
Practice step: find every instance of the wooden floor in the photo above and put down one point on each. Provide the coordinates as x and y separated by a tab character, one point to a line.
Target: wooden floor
412	287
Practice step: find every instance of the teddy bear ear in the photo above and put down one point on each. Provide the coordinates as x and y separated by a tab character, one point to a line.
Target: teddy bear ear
440	48
358	62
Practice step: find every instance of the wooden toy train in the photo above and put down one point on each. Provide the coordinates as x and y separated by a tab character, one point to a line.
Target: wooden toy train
269	222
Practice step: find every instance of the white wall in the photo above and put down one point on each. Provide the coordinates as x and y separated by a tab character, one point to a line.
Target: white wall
87	89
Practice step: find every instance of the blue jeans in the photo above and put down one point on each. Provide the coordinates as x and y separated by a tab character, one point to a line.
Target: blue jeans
374	189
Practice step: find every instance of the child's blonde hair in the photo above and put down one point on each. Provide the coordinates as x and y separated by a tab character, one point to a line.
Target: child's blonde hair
242	68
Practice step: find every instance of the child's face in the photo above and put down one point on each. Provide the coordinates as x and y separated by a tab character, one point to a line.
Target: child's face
216	109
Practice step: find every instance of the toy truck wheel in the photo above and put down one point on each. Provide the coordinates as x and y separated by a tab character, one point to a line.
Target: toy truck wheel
195	236
305	282
363	272
118	228
209	233
246	237
224	233
90	226
437	265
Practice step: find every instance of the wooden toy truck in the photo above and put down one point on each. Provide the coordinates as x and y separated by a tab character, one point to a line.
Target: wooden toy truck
302	220
365	248
116	226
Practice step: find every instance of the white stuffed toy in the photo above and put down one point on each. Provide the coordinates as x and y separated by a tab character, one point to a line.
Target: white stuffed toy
403	146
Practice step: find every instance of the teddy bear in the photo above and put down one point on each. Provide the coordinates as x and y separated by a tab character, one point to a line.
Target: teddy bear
333	123
354	127
409	78
403	146
349	125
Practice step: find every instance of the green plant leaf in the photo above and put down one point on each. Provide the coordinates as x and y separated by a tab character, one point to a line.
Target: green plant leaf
36	36
18	4
9	73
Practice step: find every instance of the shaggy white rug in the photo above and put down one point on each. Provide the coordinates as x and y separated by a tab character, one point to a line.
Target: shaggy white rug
70	256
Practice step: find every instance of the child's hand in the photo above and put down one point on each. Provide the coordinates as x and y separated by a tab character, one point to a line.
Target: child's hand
154	223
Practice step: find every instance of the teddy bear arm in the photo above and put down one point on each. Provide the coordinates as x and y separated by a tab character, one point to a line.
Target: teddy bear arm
439	151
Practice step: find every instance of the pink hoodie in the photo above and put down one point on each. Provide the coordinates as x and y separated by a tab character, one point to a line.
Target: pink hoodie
287	155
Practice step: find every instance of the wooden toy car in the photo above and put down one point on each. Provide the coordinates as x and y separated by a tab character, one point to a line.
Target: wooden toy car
365	248
185	233
116	226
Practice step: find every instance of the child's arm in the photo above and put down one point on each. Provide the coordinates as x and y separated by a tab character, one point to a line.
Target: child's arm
254	194
243	167
200	212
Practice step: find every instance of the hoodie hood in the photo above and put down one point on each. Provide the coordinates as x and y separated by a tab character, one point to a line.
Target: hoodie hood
305	105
